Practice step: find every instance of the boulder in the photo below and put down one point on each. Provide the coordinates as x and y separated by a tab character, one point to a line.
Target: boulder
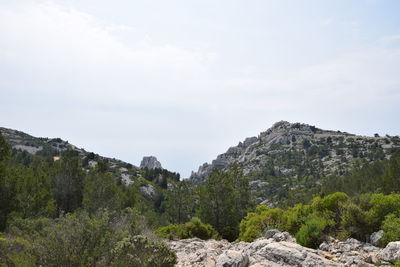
375	237
232	258
290	254
270	233
391	252
279	236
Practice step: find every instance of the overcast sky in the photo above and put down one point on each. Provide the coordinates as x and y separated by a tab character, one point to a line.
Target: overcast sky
184	80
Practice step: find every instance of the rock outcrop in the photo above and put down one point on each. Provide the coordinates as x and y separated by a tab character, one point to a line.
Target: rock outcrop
391	252
150	163
147	191
279	249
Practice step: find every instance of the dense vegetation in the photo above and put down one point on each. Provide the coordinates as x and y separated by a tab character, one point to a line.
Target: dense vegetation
55	213
335	215
62	212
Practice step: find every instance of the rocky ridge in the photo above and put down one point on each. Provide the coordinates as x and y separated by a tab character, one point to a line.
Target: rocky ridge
301	142
279	249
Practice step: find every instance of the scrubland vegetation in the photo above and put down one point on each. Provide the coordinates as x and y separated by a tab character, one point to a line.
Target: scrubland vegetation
56	213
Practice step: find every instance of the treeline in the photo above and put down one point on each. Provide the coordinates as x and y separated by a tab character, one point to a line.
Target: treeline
222	201
52	188
378	177
338	206
381	176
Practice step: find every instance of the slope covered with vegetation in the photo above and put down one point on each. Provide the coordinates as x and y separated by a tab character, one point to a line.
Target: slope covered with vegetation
70	211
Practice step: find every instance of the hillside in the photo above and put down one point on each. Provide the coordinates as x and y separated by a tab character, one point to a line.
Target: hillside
291	156
148	176
329	186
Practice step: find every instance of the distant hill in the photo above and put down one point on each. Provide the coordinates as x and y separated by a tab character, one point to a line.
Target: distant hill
289	156
149	176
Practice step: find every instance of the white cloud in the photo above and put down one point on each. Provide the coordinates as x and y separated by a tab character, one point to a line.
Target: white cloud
57	44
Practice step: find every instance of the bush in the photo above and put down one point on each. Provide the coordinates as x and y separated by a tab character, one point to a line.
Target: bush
255	223
201	230
140	251
381	206
354	221
78	239
296	216
16	252
311	233
27	228
194	228
172	232
391	227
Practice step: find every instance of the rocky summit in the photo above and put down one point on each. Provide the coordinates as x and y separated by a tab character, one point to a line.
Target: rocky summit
279	249
150	163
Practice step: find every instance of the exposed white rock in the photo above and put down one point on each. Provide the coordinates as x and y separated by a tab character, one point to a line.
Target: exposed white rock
375	237
92	163
391	252
150	163
232	258
279	249
29	149
126	179
262	252
147	191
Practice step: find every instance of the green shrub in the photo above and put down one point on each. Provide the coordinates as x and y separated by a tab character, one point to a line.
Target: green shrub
201	230
333	201
16	252
354	221
296	216
140	251
27	228
79	239
255	223
76	240
194	228
229	233
391	227
381	206
311	233
173	231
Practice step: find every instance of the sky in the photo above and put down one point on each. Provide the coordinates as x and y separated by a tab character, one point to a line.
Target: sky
185	80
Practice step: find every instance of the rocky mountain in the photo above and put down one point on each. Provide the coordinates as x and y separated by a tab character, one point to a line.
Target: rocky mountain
150	163
290	156
279	249
324	150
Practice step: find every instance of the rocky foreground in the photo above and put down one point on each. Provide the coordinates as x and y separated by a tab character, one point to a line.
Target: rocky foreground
278	249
